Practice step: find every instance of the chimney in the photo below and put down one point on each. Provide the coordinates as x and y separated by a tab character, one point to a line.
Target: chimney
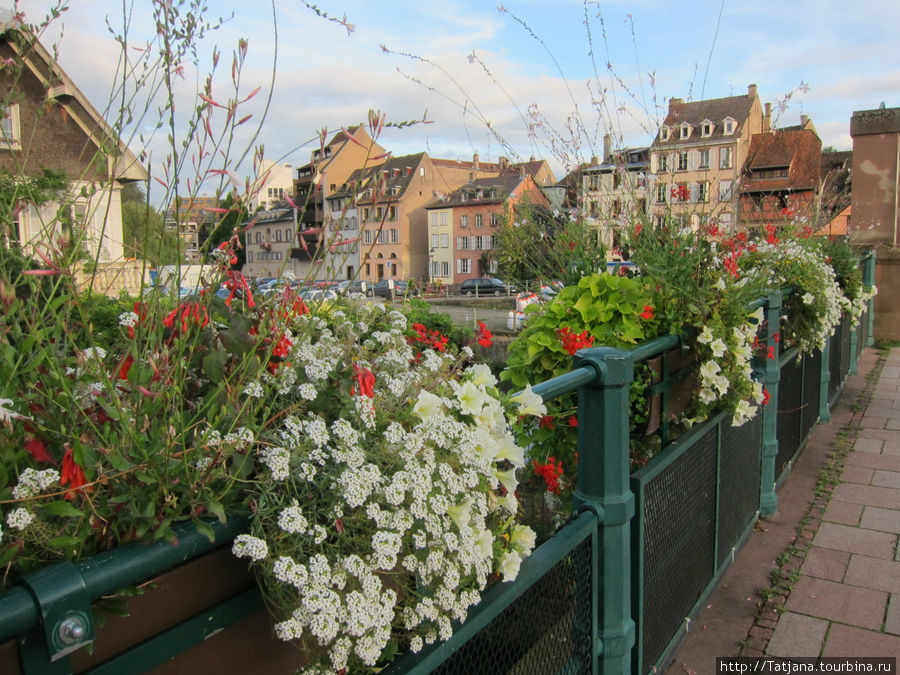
673	102
607	147
804	121
594	160
767	119
475	161
751	91
504	163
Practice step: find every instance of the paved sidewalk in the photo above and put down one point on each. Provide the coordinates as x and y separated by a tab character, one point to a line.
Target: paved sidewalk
838	553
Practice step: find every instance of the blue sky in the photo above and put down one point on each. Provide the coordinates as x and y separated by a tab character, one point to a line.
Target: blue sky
497	87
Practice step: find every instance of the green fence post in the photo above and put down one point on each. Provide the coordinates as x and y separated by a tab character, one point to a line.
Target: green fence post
768	501
868	282
603	487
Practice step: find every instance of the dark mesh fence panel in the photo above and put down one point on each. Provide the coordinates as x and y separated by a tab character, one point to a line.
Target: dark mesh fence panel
834	365
679	543
790	401
738	481
844	331
812	387
546	630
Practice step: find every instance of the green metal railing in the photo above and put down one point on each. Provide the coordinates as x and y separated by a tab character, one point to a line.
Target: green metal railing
611	592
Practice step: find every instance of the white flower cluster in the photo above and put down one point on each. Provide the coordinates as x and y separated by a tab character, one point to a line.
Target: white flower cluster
33	482
392	510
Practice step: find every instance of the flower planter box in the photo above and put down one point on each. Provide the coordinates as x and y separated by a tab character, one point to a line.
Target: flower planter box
205	615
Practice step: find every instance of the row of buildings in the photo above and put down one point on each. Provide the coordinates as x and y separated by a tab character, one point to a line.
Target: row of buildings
360	212
713	161
376	216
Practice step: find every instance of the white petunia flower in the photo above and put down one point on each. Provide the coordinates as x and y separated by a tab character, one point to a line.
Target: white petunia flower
529	403
509	565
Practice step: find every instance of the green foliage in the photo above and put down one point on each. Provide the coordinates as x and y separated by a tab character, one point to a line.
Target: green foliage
605	310
145	235
535	244
608	307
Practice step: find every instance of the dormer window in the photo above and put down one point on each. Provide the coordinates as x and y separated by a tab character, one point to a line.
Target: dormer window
706	128
728	126
685	131
664	133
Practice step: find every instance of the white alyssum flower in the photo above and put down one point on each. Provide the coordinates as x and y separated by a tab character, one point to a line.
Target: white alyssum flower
128	319
292	520
248	546
19	518
254	390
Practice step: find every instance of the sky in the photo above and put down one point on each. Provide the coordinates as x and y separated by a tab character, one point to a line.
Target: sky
527	78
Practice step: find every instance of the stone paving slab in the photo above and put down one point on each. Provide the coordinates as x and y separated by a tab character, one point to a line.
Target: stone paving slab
874	445
869	495
797	635
858	474
892	424
889	479
892	621
887	412
870	460
851	641
886	520
856	540
825	599
875	573
872	422
845	513
825	563
883	434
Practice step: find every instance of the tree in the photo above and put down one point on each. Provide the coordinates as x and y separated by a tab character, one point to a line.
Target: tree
144	232
224	229
532	243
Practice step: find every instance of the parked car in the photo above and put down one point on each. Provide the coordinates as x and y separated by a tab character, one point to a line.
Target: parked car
485	286
401	288
357	287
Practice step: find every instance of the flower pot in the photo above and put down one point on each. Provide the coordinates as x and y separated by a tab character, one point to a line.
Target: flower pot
205	615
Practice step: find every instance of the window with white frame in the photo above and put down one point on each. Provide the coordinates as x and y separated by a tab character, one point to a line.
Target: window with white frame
479	243
477	220
392	213
664	133
249	256
445	269
703	157
367	237
703	192
682	161
433	219
706	128
462	243
278	236
395	236
434	241
445	241
494	219
724	158
464	221
724	190
728	126
685	132
365	215
662	192
10	132
382	237
662	163
443	217
463	265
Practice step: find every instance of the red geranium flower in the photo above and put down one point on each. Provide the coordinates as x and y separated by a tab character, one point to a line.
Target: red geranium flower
485	337
647	313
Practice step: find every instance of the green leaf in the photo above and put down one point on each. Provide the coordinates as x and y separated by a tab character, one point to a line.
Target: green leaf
204	529
118	462
217	510
214	365
8	555
64	542
63	509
